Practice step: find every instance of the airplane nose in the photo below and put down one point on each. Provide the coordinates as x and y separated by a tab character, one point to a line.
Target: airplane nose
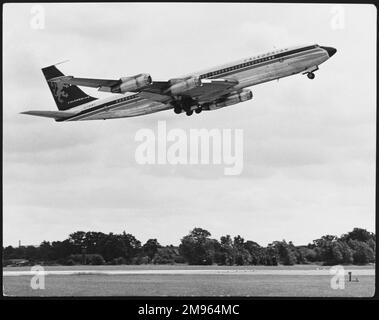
331	51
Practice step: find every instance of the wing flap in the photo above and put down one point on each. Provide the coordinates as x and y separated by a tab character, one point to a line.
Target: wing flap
211	88
158	90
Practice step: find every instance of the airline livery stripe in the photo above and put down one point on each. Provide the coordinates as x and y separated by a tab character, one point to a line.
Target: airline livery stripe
103	107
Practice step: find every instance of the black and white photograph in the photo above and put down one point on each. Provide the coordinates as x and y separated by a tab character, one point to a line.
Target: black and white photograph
203	150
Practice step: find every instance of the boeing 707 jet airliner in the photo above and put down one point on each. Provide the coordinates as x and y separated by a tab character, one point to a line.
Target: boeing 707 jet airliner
208	90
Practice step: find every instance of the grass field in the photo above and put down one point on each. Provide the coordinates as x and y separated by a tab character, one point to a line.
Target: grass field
297	281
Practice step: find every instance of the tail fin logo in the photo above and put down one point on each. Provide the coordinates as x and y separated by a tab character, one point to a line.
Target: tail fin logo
59	90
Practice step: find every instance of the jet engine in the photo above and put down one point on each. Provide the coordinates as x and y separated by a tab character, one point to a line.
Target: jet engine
231	99
131	84
184	85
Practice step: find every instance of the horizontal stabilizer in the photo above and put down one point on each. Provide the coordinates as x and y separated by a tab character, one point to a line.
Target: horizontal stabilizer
50	114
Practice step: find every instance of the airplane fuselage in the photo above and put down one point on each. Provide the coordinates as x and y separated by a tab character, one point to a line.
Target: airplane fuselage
270	66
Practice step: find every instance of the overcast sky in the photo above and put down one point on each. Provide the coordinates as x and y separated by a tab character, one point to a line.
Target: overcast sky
309	146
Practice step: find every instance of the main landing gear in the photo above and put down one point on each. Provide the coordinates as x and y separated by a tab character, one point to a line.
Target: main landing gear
189	112
187	105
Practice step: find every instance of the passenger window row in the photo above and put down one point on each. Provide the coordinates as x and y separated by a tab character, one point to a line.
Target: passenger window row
240	66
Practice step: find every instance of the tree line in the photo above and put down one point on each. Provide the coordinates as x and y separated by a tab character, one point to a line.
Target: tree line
196	248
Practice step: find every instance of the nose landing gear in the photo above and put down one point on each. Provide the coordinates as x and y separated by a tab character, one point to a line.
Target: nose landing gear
310	72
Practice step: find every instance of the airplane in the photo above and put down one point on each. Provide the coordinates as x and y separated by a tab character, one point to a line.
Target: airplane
207	90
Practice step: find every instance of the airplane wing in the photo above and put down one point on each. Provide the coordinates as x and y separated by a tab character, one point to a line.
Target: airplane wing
159	90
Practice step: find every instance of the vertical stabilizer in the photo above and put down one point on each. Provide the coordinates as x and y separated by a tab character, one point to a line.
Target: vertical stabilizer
66	96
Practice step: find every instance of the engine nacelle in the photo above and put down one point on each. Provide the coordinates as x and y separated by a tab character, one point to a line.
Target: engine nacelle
131	84
184	85
232	99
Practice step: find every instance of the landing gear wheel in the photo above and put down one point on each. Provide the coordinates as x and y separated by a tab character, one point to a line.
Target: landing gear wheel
311	75
198	110
189	113
177	110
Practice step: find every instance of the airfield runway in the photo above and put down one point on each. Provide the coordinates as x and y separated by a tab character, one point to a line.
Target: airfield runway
147	280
